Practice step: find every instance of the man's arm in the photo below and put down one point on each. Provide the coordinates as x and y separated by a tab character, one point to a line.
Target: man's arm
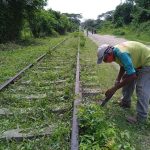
125	81
120	74
130	71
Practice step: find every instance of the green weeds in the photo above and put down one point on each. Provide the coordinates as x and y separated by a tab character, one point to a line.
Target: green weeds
41	99
106	127
14	57
100	133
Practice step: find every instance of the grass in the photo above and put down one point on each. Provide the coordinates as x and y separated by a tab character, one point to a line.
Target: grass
126	32
14	57
103	77
37	95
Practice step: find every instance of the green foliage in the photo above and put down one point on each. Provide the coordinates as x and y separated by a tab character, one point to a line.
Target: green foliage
107	16
42	23
96	132
130	20
39	84
23	18
118	32
106	26
143	27
93	76
62	25
140	31
9	46
46	23
141	15
74	21
82	40
89	24
122	14
143	3
11	16
82	37
14	57
75	34
74	18
55	33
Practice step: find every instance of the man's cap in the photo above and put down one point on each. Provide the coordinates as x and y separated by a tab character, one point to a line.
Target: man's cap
100	52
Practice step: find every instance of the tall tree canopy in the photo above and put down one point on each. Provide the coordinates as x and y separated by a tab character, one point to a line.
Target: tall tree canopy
18	15
123	14
12	13
143	3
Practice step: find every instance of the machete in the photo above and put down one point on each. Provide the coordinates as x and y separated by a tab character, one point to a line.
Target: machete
103	102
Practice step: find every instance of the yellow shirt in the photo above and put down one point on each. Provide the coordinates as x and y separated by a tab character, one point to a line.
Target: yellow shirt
139	53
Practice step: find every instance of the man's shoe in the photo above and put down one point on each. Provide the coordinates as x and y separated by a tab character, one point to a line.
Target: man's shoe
132	120
124	104
136	119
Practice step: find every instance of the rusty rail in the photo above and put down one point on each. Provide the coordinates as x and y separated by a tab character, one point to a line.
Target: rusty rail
14	78
75	128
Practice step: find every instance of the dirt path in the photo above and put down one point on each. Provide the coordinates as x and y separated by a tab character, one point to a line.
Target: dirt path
105	39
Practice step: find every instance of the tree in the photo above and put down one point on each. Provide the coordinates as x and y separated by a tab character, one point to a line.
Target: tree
106	16
16	14
11	16
123	14
74	20
61	23
32	9
141	11
89	23
145	4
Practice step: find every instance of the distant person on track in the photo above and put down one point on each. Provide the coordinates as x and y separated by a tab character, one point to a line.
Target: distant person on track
134	61
87	32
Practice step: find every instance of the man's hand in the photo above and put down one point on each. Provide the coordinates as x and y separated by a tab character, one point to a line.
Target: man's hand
116	82
110	92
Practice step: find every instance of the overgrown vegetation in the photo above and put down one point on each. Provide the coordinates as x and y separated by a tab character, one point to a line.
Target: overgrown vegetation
97	132
14	57
105	127
24	19
41	101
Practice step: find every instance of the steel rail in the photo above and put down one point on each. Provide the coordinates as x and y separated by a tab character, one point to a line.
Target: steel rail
17	76
75	127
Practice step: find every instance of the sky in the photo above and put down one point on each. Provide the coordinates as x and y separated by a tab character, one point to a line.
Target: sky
89	9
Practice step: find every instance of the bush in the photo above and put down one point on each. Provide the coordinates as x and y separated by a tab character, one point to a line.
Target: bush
118	32
82	40
54	33
96	132
144	27
9	46
75	34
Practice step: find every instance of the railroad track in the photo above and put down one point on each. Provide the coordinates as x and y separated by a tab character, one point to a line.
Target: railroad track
41	107
11	80
38	106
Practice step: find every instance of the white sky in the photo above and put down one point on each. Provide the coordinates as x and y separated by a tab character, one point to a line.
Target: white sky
89	9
